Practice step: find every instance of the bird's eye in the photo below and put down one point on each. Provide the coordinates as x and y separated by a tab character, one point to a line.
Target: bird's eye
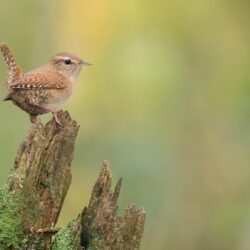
68	61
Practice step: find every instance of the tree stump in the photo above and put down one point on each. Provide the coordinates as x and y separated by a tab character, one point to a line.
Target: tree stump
31	201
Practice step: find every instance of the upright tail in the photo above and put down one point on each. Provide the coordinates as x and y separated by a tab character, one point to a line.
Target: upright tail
13	69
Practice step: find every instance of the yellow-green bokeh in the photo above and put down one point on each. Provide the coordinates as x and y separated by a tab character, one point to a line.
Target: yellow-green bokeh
167	101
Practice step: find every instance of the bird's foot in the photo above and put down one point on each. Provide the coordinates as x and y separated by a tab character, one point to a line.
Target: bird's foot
57	119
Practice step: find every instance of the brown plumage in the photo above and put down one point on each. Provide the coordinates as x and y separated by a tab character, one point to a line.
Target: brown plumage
44	89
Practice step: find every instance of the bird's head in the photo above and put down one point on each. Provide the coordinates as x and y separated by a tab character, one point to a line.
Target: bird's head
68	64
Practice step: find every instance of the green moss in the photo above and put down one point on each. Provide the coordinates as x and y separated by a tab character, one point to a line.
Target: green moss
10	223
65	239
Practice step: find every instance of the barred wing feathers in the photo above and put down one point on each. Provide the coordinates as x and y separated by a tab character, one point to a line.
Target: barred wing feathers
38	81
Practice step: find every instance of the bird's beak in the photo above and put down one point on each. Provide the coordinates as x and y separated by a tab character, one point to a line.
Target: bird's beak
85	63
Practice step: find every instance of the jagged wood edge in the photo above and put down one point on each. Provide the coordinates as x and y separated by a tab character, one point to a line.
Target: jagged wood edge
99	226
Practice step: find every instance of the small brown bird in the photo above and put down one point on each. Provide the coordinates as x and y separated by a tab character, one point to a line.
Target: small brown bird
44	89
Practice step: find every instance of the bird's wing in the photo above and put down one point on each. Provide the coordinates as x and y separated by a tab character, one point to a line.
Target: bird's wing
38	81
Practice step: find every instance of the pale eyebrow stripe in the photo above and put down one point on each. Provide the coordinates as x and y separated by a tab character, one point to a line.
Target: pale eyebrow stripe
62	57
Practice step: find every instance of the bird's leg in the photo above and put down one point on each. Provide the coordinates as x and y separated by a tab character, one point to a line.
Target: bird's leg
33	118
56	118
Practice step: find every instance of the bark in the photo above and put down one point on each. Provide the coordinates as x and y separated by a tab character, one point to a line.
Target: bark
31	201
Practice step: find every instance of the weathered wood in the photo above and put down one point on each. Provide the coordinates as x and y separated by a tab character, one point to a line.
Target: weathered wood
102	228
32	200
41	176
99	226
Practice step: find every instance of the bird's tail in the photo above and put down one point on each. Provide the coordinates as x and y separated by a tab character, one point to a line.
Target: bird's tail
13	69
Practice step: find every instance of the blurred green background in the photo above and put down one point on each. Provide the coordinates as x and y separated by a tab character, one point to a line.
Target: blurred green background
167	102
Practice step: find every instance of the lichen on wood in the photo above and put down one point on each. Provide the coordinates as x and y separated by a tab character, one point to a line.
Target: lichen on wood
10	222
67	238
31	201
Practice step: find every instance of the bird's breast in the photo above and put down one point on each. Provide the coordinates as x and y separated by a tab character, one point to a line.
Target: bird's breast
58	97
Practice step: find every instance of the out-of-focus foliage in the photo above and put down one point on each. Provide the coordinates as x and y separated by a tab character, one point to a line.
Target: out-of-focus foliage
167	101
